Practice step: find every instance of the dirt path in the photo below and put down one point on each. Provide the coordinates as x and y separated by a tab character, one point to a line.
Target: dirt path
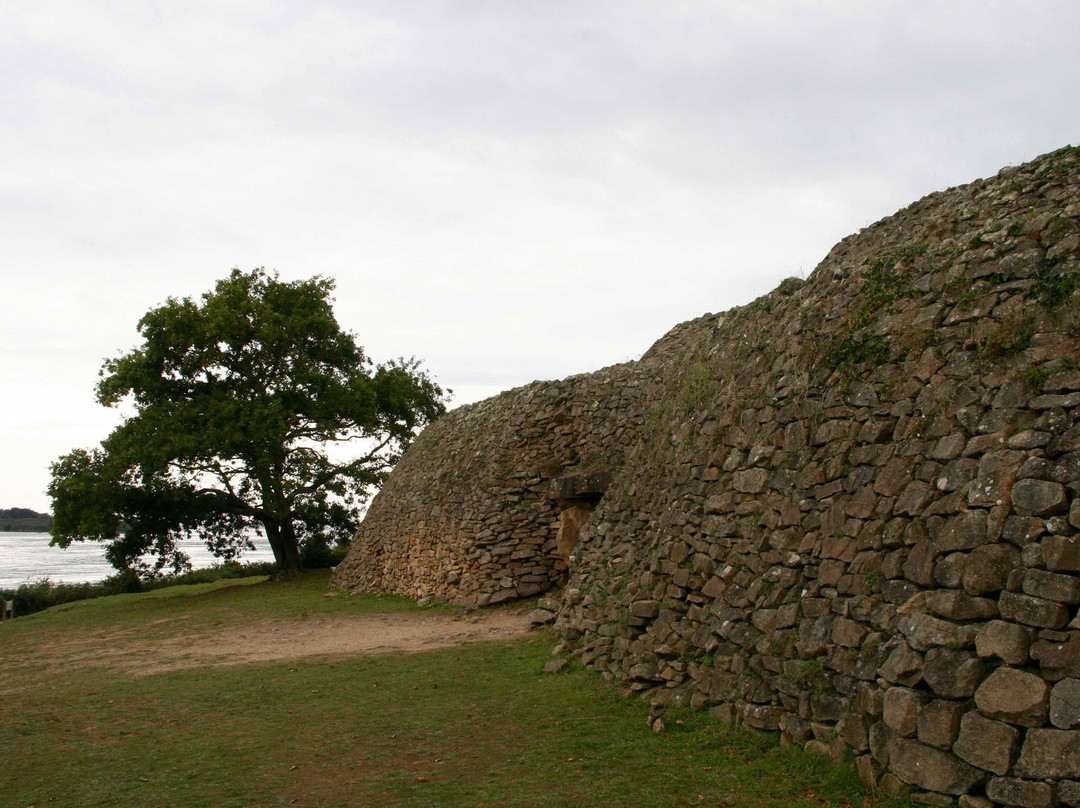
275	640
347	635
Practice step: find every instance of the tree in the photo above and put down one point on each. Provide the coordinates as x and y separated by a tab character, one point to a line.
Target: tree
235	400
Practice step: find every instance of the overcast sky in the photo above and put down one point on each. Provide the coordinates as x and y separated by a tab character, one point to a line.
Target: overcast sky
510	190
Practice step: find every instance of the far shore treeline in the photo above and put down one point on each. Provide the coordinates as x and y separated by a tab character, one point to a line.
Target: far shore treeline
24	520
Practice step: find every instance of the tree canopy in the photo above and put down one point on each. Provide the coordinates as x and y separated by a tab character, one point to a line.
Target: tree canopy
236	397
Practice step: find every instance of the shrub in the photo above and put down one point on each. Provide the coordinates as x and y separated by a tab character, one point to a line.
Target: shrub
1053	284
1014	336
317	553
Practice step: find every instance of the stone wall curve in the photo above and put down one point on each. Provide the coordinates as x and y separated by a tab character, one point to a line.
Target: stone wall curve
465	517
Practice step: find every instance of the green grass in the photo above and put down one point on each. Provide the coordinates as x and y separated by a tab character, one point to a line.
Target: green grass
472	725
255	595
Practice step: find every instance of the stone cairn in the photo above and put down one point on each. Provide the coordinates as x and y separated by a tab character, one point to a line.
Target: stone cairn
847	512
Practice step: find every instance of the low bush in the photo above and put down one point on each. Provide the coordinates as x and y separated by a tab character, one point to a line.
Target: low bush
318	554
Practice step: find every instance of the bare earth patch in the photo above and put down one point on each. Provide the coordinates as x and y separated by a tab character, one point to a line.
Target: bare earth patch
270	640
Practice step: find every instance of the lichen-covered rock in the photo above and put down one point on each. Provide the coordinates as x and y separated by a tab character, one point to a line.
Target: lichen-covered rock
1020	793
1069	793
989	745
933	769
953	674
1033	611
988	567
939	722
903	666
1050	754
1061	553
1006	641
1065	704
953	604
1015	696
1052	586
901	709
1039	497
1058	657
924	632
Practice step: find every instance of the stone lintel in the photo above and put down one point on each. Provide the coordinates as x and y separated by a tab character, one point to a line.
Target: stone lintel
589	486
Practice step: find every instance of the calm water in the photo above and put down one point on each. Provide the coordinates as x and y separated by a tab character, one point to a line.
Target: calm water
28	557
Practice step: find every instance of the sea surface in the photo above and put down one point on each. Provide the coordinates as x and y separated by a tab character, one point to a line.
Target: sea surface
26	557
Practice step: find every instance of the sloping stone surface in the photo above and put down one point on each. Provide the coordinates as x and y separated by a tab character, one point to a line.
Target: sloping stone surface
469	514
858	482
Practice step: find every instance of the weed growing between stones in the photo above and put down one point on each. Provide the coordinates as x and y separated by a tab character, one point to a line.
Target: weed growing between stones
1034	377
809	667
1054	284
845	351
967	297
889	278
913	343
696	386
1014	336
872	582
762	304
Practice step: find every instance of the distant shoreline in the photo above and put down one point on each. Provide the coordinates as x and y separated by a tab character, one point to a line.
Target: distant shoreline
24	520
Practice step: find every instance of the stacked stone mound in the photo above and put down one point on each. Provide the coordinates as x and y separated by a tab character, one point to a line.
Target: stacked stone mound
847	511
465	515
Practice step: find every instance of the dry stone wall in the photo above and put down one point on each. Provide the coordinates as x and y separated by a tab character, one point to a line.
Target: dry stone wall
466	515
846	512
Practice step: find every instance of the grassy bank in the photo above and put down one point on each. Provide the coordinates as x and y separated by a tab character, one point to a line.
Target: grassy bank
472	725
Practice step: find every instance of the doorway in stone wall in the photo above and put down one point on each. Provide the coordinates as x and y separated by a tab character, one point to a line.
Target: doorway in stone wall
575	496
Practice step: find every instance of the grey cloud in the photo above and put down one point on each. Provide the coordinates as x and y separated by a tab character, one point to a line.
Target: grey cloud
509	190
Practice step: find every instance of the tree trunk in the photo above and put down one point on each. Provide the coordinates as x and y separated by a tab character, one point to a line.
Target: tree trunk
283	542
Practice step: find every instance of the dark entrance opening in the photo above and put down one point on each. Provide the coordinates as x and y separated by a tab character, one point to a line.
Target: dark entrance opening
576	497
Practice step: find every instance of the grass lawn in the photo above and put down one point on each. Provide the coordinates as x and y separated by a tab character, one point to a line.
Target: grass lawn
471	725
